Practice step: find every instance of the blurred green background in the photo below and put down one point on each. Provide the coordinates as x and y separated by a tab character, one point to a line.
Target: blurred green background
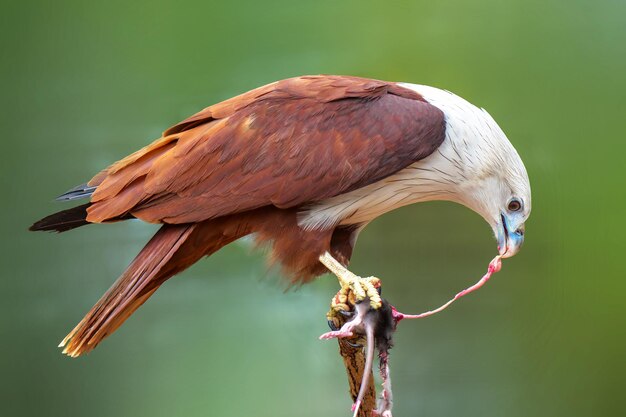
85	83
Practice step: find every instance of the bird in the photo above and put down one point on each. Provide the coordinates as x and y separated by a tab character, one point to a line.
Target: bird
302	165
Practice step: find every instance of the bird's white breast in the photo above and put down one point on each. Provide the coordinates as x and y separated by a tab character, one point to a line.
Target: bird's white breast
416	183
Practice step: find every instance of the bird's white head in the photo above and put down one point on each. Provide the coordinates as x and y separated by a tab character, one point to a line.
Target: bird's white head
489	175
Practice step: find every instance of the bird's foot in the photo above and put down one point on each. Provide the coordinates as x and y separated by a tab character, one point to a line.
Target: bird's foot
366	288
354	289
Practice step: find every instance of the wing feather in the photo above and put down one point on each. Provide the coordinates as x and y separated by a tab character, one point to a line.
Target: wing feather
286	144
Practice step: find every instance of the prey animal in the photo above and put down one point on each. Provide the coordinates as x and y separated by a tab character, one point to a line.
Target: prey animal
303	165
377	325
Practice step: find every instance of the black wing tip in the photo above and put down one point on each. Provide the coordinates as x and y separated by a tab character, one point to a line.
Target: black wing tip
36	227
62	221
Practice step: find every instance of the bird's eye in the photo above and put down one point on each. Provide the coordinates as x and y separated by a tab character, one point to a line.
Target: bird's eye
515	205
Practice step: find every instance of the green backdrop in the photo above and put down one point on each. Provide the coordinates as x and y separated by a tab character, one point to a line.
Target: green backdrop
85	83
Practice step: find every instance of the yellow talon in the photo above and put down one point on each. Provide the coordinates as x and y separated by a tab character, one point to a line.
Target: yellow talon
353	288
359	289
371	285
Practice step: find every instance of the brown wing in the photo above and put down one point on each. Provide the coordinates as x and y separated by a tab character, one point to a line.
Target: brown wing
285	144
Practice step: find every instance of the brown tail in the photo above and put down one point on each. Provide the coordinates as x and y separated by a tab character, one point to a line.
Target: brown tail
172	249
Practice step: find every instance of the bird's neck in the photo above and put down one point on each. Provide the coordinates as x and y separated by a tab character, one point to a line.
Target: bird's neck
433	178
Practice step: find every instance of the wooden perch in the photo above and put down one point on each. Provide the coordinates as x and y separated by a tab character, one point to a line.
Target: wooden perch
354	361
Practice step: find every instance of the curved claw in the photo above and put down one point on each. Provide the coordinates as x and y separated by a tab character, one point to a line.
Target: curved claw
346	313
354	345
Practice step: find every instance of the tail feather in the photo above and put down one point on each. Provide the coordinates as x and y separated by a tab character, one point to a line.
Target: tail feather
172	249
63	221
78	192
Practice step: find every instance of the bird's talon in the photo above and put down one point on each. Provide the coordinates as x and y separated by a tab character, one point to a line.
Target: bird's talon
364	288
354	345
357	286
372	287
346	313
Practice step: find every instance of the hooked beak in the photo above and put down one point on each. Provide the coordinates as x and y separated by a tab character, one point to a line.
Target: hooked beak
510	236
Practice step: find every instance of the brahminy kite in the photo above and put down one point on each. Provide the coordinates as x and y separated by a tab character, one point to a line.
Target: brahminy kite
302	164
